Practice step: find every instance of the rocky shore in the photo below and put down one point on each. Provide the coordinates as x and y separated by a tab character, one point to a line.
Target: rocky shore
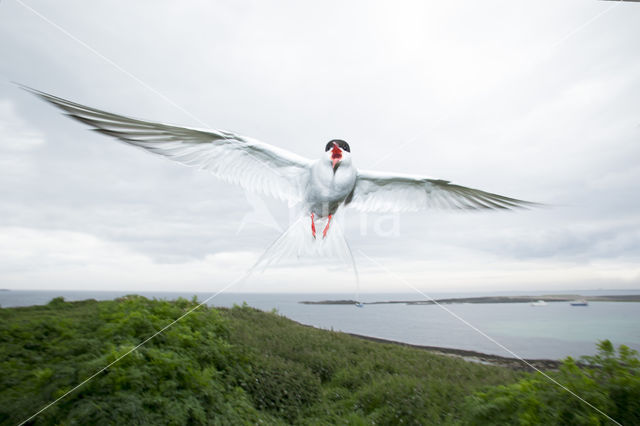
479	357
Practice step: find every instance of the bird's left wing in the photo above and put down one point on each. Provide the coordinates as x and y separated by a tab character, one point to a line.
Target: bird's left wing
254	165
386	192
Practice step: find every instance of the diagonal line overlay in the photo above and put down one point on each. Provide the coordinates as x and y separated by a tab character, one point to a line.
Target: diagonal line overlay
139	81
405	282
228	286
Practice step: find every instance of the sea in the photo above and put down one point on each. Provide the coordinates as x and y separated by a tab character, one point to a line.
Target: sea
553	331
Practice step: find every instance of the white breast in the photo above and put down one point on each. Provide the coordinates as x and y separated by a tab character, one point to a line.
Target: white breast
327	189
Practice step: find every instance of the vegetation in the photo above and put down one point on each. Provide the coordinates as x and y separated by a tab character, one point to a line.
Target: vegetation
244	366
185	375
610	381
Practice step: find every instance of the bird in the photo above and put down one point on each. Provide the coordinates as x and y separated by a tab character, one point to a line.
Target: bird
320	187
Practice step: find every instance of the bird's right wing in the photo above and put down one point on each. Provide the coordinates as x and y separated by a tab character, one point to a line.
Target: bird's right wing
254	165
387	192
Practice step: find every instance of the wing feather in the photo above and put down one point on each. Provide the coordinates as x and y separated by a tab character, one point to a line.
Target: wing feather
254	165
386	193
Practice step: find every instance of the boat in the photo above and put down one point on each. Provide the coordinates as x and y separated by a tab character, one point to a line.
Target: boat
581	302
359	305
539	303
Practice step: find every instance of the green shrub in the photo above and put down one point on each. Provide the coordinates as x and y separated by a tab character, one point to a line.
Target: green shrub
177	378
394	400
282	386
608	381
218	366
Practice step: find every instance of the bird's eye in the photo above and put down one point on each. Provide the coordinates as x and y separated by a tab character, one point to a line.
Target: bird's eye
344	146
329	146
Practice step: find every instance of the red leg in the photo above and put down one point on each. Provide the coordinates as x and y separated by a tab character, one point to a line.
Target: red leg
326	228
313	227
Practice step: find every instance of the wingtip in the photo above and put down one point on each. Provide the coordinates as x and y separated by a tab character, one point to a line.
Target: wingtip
24	86
541	205
529	205
52	99
30	89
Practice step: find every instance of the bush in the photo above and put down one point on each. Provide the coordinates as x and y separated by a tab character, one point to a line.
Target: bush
397	400
218	366
608	381
179	377
282	386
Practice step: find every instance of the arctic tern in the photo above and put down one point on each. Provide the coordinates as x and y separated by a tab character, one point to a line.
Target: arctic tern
320	186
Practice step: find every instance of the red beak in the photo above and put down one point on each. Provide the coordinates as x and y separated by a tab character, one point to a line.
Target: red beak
336	155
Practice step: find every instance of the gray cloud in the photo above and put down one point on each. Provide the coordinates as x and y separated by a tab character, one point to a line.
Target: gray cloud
478	93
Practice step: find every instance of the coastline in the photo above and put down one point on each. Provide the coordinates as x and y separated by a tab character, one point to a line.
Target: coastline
473	356
467	355
489	299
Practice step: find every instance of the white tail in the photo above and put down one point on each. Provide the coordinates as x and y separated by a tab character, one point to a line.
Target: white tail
298	242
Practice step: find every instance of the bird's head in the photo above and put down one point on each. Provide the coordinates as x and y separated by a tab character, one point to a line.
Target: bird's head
338	152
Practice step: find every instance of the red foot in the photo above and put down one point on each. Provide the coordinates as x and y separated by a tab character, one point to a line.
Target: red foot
313	227
326	228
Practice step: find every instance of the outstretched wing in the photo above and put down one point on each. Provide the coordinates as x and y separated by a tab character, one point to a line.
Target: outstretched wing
386	192
254	165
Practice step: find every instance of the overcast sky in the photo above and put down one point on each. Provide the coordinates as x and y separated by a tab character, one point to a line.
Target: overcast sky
534	100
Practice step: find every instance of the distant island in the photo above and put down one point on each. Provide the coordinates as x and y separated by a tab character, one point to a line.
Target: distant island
490	299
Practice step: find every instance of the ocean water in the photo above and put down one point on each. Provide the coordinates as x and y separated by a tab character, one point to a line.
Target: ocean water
553	331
